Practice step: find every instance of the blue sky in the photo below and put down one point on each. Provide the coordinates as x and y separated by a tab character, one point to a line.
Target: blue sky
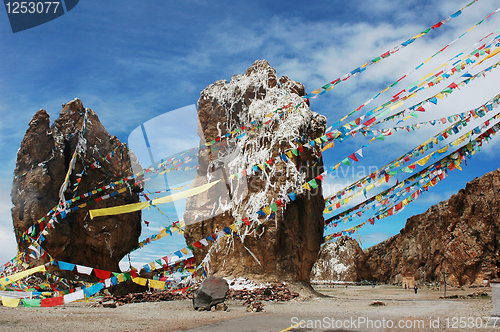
132	62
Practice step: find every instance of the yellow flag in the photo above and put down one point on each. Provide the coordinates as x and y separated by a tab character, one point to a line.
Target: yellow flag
140	281
157	284
234	228
142	205
10	302
14	277
444	149
396	105
306	185
424	160
428	75
185	251
267	210
328	146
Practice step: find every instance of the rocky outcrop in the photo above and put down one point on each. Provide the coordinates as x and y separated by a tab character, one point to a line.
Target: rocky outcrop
341	260
287	246
459	236
43	161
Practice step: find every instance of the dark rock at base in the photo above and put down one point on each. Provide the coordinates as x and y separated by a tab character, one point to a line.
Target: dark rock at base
212	291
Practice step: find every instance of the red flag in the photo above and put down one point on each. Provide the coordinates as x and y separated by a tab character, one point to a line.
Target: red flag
52	302
369	122
353	157
101	274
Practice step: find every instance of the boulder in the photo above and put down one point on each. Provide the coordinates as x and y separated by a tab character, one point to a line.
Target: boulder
43	160
286	247
211	292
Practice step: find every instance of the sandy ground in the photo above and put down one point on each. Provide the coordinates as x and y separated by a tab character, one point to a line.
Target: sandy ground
346	309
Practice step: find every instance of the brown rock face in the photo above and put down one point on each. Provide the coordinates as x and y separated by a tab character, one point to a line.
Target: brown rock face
339	261
42	163
458	236
286	248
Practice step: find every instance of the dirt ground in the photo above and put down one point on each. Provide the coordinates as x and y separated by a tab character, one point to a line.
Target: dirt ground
345	309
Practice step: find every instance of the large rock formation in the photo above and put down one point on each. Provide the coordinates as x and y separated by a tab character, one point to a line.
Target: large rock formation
339	261
459	236
43	161
287	246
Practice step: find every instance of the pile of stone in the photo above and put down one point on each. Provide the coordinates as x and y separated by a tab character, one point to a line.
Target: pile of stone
256	306
274	292
110	301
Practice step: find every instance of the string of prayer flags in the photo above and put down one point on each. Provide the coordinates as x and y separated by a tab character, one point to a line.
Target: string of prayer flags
106	157
332	84
440	168
418	107
399	98
478	112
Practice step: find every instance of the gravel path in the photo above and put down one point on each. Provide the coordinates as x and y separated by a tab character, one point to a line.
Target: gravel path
347	307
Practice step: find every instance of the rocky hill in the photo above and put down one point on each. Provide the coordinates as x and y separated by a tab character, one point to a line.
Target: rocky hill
45	158
286	248
459	236
338	261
